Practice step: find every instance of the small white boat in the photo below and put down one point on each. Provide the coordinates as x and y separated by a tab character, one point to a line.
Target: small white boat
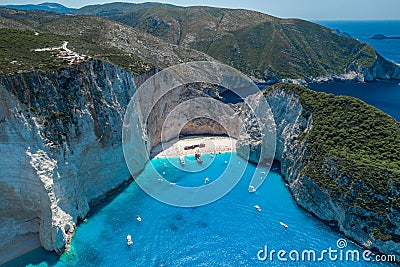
138	218
252	189
182	160
257	207
206	180
129	240
284	224
263	172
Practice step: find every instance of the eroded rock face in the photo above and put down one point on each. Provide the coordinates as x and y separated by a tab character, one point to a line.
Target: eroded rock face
382	69
60	137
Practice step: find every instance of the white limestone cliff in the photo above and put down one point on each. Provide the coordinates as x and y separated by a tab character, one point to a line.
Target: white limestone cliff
54	166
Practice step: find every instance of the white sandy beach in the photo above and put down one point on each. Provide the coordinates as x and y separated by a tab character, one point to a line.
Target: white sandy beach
213	144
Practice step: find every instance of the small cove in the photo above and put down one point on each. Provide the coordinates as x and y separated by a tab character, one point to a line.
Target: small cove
228	232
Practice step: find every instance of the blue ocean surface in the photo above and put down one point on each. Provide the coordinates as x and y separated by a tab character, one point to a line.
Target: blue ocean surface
363	30
228	232
384	95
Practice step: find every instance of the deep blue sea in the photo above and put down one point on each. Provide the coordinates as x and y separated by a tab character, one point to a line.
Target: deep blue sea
363	30
228	232
384	95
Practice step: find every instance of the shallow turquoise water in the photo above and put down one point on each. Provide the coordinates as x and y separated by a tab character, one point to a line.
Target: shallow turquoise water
228	232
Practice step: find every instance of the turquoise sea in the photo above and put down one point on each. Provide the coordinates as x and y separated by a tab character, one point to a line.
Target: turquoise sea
228	232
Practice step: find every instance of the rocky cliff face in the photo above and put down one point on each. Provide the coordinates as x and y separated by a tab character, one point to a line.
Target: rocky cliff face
381	69
60	137
60	134
292	120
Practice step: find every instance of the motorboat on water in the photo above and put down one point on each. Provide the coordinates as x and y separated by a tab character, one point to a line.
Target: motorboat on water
284	224
258	208
252	189
129	240
182	160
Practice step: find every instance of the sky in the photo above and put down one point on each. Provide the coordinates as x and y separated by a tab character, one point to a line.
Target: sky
304	9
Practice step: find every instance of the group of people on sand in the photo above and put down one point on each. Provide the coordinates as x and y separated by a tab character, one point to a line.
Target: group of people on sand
129	237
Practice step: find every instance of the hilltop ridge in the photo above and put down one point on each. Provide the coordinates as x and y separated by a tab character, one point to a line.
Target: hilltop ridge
264	47
255	43
54	7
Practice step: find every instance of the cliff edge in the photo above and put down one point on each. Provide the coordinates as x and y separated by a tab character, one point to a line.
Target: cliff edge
338	156
60	137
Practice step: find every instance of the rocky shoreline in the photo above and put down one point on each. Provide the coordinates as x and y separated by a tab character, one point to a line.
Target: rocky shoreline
382	69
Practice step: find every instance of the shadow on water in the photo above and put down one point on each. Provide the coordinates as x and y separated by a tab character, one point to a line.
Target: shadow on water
34	257
42	257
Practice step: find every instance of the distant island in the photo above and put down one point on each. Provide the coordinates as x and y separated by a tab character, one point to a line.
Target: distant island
382	37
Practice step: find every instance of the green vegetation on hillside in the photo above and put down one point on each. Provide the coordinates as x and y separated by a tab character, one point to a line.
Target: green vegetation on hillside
255	43
17	52
353	152
291	49
128	61
17	55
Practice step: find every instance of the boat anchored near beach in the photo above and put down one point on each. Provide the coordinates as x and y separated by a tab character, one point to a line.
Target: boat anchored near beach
182	160
198	158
